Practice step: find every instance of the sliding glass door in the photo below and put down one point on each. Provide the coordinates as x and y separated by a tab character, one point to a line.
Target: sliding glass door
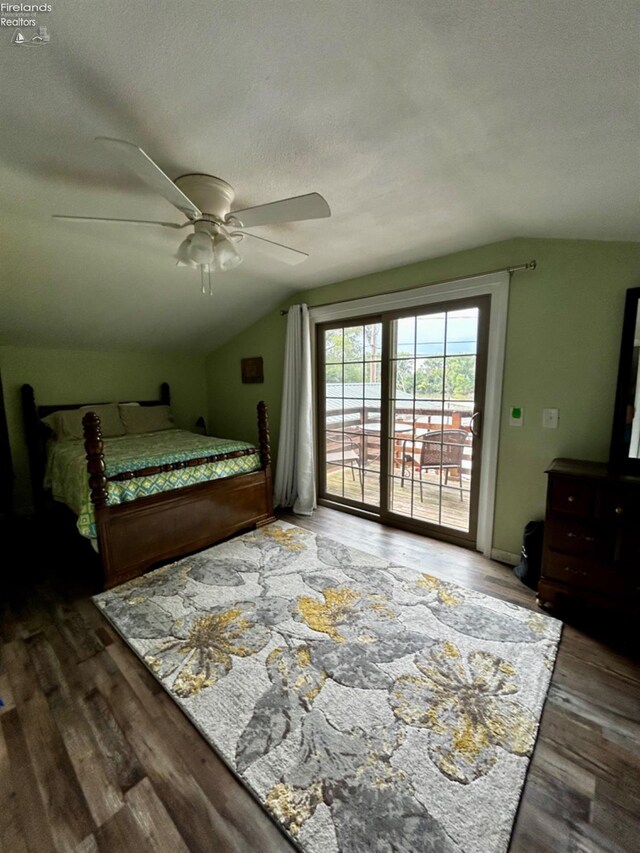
400	399
349	402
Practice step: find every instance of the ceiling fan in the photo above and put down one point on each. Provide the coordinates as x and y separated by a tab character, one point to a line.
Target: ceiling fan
206	202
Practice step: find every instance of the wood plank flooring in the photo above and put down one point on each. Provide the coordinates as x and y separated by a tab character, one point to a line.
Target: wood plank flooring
94	756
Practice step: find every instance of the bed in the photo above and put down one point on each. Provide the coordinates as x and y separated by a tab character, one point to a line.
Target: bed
150	497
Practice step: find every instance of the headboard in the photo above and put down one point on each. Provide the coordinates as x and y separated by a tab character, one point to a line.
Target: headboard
36	433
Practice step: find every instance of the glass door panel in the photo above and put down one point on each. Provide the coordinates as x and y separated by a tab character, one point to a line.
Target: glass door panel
399	411
434	394
350	413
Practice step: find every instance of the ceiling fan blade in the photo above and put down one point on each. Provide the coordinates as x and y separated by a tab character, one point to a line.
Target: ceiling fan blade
276	250
135	159
119	221
310	206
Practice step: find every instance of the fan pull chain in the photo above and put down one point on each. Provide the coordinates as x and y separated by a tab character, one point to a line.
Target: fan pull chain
202	280
210	288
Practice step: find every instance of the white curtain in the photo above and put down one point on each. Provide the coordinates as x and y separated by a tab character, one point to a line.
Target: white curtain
295	483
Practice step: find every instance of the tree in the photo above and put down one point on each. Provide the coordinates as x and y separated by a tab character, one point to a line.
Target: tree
461	377
456	380
352	355
356	349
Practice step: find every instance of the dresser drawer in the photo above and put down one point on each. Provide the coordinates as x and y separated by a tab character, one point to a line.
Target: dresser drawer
627	549
573	497
571	536
591	550
621	505
579	572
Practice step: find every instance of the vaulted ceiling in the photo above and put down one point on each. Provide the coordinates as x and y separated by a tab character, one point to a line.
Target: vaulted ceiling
428	126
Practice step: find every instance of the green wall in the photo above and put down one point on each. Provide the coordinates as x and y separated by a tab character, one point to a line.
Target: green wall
562	351
563	340
71	376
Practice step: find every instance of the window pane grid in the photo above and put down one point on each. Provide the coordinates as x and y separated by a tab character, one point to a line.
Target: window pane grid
432	367
352	372
433	363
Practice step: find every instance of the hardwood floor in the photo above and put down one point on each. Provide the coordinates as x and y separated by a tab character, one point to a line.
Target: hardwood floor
94	756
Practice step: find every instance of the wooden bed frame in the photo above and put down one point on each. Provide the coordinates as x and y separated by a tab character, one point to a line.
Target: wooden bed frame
138	534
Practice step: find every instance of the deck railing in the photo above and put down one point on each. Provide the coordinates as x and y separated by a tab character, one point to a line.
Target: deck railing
425	417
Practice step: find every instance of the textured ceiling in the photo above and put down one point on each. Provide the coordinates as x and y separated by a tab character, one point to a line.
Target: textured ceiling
429	127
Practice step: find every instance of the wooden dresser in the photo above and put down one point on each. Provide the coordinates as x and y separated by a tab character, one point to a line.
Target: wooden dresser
591	537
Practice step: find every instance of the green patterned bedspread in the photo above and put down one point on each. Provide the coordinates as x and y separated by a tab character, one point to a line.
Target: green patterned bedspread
67	477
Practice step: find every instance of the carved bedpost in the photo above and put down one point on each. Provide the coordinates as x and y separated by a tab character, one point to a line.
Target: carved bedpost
263	435
95	459
265	459
35	447
165	394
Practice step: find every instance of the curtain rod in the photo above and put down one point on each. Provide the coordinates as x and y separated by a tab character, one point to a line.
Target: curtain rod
529	266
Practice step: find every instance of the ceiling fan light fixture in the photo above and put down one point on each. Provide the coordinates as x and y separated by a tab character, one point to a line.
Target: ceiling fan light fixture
227	256
212	247
200	249
182	255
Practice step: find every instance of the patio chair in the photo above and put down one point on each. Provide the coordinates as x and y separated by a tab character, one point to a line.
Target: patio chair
344	451
438	450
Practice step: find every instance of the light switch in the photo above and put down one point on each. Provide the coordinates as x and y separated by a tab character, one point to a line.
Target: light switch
550	418
516	416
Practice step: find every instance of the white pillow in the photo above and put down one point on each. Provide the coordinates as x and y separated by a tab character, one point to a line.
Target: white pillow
66	424
137	419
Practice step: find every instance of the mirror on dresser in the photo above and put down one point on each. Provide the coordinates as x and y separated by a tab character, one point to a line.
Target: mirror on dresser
625	441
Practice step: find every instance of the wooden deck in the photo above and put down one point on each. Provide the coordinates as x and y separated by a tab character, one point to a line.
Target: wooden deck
440	505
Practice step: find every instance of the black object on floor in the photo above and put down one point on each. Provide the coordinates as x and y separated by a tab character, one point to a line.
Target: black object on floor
528	569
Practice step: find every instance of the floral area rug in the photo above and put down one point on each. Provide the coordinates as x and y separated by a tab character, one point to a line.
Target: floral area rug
368	706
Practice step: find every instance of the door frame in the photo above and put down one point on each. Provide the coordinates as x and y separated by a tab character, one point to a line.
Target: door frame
320	412
448	534
497	286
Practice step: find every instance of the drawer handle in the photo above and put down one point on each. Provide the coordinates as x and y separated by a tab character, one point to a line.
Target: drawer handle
580	537
618	510
575	571
571	499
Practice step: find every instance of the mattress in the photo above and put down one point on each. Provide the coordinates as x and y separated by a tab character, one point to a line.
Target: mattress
66	473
